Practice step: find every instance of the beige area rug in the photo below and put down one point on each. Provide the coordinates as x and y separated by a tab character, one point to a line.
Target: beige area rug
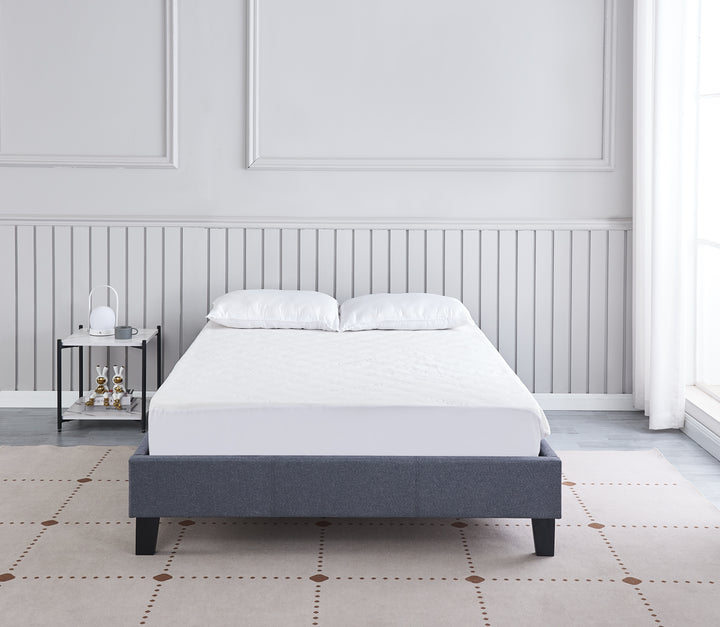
637	545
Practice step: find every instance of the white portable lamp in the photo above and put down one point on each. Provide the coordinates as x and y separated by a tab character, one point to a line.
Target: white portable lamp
102	319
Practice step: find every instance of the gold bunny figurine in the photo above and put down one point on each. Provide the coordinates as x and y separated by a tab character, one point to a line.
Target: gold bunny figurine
119	389
101	389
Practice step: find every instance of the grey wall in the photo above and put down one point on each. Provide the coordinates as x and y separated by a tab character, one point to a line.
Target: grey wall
516	109
167	140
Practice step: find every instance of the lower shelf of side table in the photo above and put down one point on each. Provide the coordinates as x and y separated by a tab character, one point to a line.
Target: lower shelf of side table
79	411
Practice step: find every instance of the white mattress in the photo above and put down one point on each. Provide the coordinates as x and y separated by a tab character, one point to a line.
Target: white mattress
300	392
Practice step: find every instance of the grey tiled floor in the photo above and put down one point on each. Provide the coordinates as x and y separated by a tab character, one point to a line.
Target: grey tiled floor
623	431
586	430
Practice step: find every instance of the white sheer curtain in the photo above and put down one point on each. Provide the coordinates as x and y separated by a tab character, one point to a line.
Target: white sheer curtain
664	172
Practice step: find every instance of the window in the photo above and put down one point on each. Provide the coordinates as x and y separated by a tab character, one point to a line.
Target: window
708	203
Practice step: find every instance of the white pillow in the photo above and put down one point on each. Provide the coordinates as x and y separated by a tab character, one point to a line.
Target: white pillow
275	309
412	312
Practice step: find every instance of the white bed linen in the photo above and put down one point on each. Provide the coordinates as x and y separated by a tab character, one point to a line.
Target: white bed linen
301	392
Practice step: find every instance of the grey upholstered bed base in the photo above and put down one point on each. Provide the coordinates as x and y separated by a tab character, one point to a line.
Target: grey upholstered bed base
340	487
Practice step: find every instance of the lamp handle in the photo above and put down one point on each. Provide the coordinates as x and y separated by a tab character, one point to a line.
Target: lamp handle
117	299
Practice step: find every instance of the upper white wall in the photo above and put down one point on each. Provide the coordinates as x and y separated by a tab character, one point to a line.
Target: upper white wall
475	92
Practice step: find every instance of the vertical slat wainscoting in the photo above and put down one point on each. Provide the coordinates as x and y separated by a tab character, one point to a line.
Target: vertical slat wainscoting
525	344
172	314
344	264
194	284
154	289
543	320
98	266
117	270
26	312
554	299
61	309
507	297
470	268
326	261
44	320
561	310
8	308
398	260
133	308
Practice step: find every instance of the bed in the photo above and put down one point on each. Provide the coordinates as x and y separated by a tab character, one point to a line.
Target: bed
375	421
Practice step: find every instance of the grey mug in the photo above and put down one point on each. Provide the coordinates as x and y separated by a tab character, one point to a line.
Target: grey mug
125	333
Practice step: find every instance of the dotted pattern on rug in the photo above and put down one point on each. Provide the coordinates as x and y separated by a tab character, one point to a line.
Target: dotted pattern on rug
476	550
629	580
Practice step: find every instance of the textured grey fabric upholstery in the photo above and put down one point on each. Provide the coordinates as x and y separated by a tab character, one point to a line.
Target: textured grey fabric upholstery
442	487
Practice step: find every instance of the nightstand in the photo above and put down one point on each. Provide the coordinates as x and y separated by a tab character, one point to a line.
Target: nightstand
81	339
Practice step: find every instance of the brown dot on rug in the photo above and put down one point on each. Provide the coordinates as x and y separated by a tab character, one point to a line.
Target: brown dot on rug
7	577
186	523
474	579
49	523
162	577
459	525
568	483
84	480
596	525
323	523
318	578
633	581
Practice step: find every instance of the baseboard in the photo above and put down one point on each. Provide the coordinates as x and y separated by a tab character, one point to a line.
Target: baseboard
35	399
38	400
558	402
585	402
700	434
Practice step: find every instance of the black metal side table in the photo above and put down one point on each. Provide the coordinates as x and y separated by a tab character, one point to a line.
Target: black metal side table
81	339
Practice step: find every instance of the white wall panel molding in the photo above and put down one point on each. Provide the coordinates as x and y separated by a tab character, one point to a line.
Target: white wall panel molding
296	151
602	224
48	148
553	299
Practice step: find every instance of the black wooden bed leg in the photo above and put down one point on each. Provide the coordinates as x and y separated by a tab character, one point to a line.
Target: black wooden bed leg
544	536
146	533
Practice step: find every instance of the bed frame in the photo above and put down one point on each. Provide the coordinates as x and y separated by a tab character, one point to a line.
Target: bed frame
344	487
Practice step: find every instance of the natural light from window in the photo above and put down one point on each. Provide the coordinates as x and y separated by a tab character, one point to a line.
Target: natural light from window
708	202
